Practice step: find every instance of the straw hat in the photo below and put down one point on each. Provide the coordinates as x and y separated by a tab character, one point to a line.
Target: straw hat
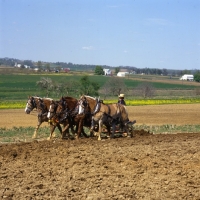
121	95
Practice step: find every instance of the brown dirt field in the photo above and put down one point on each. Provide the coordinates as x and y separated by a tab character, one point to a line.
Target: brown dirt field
145	167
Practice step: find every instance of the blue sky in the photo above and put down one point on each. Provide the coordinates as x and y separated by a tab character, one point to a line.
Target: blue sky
141	33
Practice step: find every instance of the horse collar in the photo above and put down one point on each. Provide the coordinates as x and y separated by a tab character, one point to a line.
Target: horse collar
97	107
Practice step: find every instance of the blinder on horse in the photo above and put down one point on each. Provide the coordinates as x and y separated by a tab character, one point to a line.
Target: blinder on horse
83	106
30	105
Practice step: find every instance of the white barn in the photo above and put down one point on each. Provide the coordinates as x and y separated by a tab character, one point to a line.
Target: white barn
107	72
122	74
187	77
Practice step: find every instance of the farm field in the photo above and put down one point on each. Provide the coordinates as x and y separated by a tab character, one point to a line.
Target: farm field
20	86
147	166
179	114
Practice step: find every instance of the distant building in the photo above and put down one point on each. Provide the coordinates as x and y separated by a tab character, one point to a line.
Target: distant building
187	77
20	66
122	74
107	72
66	70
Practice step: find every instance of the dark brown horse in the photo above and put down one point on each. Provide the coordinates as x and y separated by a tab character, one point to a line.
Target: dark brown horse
42	106
107	114
60	118
67	111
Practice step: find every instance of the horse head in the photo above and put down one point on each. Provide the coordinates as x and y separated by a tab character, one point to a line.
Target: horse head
31	104
61	108
52	109
82	104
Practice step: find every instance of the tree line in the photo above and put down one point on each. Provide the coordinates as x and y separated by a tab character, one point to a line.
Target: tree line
95	68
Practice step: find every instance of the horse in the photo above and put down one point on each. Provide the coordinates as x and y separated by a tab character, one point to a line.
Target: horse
42	106
55	118
67	111
107	114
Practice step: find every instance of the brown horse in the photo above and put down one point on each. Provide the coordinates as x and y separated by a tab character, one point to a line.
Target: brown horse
107	114
59	118
67	111
42	106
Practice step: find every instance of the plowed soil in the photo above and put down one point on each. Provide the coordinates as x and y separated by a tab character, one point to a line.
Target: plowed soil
143	167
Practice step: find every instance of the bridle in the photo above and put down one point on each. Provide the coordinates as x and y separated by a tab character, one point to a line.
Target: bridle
52	109
83	102
31	104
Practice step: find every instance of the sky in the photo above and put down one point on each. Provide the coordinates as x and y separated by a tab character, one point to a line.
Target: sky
136	33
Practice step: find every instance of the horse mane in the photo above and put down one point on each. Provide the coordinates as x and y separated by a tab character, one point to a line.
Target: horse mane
36	97
48	99
94	98
70	98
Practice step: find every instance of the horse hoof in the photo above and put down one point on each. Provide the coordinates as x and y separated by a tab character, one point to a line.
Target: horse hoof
124	134
54	135
34	136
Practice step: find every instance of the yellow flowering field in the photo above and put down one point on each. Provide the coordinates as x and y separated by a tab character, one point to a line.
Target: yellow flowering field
138	102
134	102
12	104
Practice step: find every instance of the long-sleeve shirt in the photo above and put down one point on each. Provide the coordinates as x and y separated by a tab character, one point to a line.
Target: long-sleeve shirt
121	101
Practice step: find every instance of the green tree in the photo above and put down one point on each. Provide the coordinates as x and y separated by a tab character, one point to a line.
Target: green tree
114	86
197	76
46	84
88	87
146	90
47	66
185	72
117	69
99	70
39	65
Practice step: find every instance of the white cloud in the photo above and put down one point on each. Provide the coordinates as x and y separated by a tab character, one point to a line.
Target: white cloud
88	48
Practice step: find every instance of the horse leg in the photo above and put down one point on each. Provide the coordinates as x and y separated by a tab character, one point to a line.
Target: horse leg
36	129
92	124
80	128
100	129
108	130
113	128
52	128
59	128
66	129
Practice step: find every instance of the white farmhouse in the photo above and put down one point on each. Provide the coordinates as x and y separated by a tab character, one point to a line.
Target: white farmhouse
107	72
187	77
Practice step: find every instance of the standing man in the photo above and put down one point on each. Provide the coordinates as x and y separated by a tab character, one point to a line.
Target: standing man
121	99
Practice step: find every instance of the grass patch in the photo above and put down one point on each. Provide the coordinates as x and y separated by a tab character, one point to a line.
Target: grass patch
24	134
169	128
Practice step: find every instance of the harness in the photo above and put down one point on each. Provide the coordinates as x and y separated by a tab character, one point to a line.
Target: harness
67	112
43	108
33	103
